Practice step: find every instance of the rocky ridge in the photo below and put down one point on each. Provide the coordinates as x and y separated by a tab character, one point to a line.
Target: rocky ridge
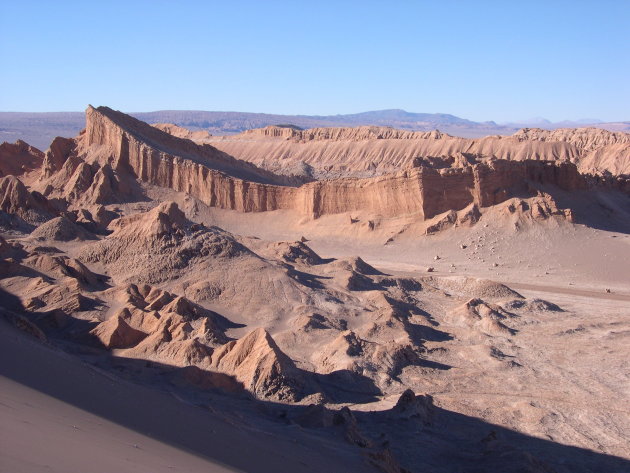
115	147
180	132
371	151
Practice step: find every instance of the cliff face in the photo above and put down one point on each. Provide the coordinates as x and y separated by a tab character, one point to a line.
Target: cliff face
354	154
370	151
129	141
601	151
587	139
338	133
115	145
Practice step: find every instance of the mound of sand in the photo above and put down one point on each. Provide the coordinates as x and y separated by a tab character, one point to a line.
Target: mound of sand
472	287
60	229
157	245
478	314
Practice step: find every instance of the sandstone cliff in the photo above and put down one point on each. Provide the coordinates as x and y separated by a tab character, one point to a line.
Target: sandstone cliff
369	151
115	150
337	133
127	142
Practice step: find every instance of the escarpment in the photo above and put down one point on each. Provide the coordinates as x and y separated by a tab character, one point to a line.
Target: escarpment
130	142
115	147
338	133
588	139
371	151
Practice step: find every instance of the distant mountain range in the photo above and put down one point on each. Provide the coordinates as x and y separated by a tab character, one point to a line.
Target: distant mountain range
39	129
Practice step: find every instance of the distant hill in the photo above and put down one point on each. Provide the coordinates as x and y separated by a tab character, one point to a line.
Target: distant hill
39	129
220	123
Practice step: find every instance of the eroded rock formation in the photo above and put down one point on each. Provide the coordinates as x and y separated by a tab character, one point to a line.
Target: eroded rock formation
118	145
370	151
19	158
103	164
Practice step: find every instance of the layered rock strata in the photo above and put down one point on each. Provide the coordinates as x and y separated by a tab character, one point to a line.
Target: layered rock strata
370	151
221	181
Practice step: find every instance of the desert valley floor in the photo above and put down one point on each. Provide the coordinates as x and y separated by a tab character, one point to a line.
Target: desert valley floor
351	299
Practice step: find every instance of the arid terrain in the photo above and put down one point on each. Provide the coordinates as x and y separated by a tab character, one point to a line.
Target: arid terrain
342	299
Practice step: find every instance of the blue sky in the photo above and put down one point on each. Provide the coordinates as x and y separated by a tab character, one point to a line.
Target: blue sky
482	60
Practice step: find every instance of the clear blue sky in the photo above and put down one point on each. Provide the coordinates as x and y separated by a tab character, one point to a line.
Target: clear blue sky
482	60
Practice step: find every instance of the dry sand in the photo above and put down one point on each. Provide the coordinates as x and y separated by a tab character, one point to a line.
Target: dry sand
60	414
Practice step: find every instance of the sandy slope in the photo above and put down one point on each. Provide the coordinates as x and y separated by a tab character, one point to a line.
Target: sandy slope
82	442
59	414
574	257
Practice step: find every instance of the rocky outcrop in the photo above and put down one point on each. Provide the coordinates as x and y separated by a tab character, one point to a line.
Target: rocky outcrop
60	229
351	353
256	361
73	174
119	145
154	324
65	267
22	206
294	252
472	287
57	154
129	144
154	246
116	333
14	196
338	133
164	219
370	151
174	342
410	405
19	158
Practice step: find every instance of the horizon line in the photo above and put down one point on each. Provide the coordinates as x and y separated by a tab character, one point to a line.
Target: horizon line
535	120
